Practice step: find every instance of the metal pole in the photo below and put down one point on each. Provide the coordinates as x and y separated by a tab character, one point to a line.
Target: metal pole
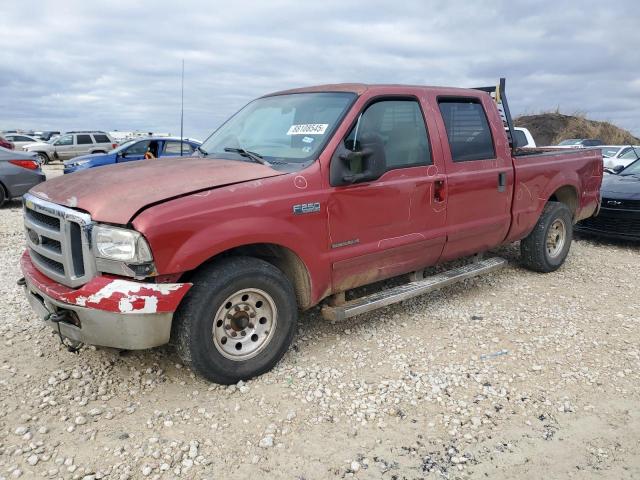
182	110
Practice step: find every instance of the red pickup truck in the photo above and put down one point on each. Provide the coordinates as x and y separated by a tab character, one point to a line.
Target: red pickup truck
299	197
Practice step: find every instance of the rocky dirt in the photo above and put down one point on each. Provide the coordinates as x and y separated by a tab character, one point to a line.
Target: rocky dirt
513	375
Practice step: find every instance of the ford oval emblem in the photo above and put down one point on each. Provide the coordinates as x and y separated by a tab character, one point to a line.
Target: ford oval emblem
34	237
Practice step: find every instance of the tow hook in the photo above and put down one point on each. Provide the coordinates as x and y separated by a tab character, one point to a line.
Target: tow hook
63	316
21	282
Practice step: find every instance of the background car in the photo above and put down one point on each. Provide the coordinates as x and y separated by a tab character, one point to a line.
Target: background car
619	215
619	155
523	138
48	134
134	150
4	143
20	140
580	143
71	145
19	171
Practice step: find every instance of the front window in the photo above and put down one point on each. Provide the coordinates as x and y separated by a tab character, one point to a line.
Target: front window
281	128
64	140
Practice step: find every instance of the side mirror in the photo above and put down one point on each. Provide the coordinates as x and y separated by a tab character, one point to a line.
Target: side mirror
349	167
618	168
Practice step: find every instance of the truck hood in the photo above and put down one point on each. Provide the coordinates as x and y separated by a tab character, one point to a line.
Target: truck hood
37	145
115	193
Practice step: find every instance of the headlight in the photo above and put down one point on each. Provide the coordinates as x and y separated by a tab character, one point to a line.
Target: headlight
113	243
78	163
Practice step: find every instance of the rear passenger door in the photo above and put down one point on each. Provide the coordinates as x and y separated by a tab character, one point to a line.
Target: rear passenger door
84	144
387	226
479	177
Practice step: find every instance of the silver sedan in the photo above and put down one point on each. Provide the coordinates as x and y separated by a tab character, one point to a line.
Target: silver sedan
18	173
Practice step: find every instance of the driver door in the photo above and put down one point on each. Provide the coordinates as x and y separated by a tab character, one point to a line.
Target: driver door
64	147
386	226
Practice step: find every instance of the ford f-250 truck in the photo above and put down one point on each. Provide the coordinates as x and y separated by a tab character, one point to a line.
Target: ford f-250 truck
299	197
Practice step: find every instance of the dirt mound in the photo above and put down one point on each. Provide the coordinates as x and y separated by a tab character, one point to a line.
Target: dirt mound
552	128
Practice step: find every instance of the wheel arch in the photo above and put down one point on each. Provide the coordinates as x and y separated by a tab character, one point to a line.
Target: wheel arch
280	257
568	195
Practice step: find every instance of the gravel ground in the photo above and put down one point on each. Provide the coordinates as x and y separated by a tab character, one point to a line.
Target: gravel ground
512	375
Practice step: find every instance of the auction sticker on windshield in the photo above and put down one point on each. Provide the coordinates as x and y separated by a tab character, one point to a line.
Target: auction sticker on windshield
308	129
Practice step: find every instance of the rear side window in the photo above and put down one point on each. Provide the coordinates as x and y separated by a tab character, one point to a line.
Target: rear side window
467	129
398	127
101	138
84	140
173	148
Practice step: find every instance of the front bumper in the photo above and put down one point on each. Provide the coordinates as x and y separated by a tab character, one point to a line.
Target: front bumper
618	223
106	311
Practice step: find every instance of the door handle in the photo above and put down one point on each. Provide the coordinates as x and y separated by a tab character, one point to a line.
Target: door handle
439	191
502	181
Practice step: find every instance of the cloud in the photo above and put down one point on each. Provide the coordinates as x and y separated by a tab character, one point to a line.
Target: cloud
116	65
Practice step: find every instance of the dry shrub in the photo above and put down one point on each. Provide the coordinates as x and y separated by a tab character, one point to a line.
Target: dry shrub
552	128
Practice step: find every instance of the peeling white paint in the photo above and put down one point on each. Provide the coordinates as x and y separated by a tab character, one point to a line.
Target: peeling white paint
129	290
125	305
72	201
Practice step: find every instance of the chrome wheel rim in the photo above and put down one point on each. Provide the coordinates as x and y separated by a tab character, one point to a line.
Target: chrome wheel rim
556	238
244	324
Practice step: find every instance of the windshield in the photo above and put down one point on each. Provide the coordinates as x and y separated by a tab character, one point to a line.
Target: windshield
571	141
285	128
631	154
610	151
124	146
632	169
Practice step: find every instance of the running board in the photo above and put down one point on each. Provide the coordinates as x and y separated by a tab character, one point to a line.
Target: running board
409	290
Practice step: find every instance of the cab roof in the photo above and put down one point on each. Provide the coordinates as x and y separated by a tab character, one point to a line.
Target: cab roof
360	88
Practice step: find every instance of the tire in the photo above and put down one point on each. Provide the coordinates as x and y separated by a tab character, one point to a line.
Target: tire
254	309
547	246
44	158
3	195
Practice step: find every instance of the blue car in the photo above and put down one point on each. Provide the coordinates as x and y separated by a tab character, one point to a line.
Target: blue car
134	150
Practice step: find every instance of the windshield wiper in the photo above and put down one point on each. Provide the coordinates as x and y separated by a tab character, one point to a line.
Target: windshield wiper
202	151
246	153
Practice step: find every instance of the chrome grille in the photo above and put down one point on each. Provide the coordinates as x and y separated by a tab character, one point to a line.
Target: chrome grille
59	241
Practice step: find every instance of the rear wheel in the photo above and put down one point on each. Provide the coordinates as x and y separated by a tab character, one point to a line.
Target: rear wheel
547	246
3	195
237	320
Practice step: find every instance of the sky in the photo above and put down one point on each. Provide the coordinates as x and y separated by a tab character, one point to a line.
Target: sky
74	64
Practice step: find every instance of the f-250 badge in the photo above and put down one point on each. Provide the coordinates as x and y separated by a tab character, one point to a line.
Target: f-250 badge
302	208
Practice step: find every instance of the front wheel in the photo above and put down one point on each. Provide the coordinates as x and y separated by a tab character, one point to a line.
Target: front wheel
547	246
43	157
237	321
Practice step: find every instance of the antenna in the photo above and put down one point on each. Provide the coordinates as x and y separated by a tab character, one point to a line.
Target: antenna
182	110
